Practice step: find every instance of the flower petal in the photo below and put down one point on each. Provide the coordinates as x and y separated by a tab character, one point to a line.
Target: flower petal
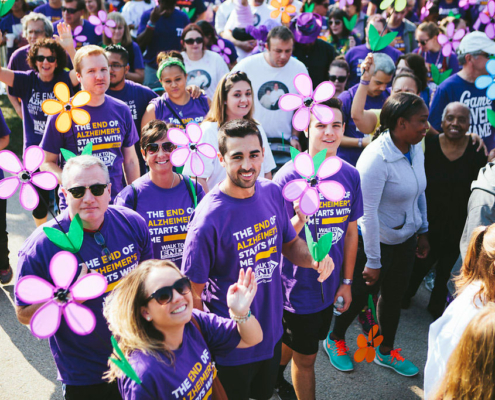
63	122
372	332
99	29
32	289
360	354
108	31
28	196
178	137
291	9
323	113
303	84
79	318
362	341
294	189
442	39
194	132
370	355
483	81
289	102
81	38
89	286
275	4
197	165
275	13
303	163
377	341
179	156
10	162
45	180
301	118
447	50
459	34
102	15
8	186
450	29
215	48
332	190
329	167
46	321
62	92
51	107
324	91
33	158
485	19
491	8
310	201
76	32
490	67
490	31
285	18
490	92
81	99
207	150
94	20
385	4
80	116
63	268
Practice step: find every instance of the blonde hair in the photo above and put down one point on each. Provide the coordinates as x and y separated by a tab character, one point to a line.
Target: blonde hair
122	310
119	20
218	109
479	264
86	51
470	372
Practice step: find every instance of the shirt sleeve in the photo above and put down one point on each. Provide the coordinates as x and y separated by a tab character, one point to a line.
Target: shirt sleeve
138	57
357	201
220	334
131	136
438	104
125	198
52	140
144	20
22	83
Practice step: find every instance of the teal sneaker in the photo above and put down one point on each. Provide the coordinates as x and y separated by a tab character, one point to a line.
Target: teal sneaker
337	353
398	363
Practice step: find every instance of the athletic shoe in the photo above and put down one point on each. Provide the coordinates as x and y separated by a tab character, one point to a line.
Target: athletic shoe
365	318
395	361
6	275
285	390
337	353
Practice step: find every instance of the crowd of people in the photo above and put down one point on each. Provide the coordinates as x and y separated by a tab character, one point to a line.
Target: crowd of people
213	287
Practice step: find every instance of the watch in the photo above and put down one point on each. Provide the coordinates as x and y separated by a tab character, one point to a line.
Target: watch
360	142
347	281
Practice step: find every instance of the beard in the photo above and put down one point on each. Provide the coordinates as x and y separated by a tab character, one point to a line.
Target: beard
113	85
239	182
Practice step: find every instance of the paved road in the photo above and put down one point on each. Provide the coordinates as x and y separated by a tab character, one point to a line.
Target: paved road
27	370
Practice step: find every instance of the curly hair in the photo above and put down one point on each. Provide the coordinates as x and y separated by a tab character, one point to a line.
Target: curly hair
56	49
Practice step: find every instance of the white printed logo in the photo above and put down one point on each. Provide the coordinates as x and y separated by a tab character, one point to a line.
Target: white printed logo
264	271
107	157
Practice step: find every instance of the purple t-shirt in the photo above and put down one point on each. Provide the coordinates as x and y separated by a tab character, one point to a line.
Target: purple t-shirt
302	291
53	14
33	91
227	234
443	64
166	212
82	360
4	131
88	30
356	56
18	60
138	58
399	39
192	374
194	111
457	89
351	154
111	128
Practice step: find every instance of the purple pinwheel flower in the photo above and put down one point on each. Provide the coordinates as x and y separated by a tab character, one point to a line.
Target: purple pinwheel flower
451	41
466	3
189	141
77	37
223	50
307	190
61	298
102	23
425	11
343	3
487	81
25	176
307	102
487	17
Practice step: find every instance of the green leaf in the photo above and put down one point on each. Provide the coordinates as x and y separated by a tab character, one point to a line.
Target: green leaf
451	14
491	116
195	197
309	8
378	42
435	73
320	249
445	75
69	242
352	23
189	12
88	149
293	153
76	232
318	159
123	364
179	169
59	239
371	306
6	6
67	154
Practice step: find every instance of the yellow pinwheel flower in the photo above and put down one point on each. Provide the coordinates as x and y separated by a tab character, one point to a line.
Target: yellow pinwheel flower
67	108
282	7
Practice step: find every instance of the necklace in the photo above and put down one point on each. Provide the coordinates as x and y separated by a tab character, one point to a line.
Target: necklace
173	181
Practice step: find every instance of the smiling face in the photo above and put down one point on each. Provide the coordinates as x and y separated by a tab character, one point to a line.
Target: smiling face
46	69
239	100
456	121
195	49
173	80
91	6
158	162
35	30
117	33
415	128
326	136
95	75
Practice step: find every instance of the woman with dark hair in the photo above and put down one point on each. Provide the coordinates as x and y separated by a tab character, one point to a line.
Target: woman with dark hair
415	64
204	67
341	38
353	9
48	59
211	38
339	74
394	227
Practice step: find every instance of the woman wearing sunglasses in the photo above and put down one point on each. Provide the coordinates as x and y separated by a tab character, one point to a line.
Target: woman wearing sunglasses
162	197
170	345
204	67
341	37
339	74
47	58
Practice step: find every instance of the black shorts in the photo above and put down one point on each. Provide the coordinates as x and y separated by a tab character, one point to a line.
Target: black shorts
302	332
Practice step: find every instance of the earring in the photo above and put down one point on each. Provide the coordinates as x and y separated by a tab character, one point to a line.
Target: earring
148	318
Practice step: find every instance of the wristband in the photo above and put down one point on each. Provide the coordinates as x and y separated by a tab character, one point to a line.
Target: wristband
237	319
294	137
347	281
363	82
150	25
360	142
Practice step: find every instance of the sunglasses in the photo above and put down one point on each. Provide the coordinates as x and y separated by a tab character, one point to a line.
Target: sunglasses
336	22
167	147
340	79
197	40
423	42
97	190
100	240
50	59
70	10
165	294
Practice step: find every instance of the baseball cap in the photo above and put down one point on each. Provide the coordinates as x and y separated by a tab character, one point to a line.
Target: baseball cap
476	41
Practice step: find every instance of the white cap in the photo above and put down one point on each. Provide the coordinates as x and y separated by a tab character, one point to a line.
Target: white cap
476	41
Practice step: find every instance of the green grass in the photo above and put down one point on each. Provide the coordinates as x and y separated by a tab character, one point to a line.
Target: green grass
15	125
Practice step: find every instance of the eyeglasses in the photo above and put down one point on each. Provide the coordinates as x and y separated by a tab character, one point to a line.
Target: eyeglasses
167	147
35	32
197	40
70	10
97	190
165	294
340	79
423	42
116	66
334	22
100	240
50	59
480	53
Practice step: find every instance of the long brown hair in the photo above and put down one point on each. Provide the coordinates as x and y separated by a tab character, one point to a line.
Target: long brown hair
119	20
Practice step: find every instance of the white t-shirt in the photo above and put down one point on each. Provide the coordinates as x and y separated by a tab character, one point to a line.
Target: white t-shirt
133	11
214	172
445	334
206	72
222	15
267	80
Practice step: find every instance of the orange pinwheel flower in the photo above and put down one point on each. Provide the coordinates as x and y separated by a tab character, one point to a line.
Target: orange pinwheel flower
282	7
367	347
67	108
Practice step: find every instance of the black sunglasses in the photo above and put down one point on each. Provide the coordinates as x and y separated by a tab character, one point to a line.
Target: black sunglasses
165	294
423	42
70	10
167	147
97	190
197	40
100	240
50	59
335	22
340	79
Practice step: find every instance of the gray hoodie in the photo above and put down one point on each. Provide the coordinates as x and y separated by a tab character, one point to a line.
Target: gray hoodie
394	193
